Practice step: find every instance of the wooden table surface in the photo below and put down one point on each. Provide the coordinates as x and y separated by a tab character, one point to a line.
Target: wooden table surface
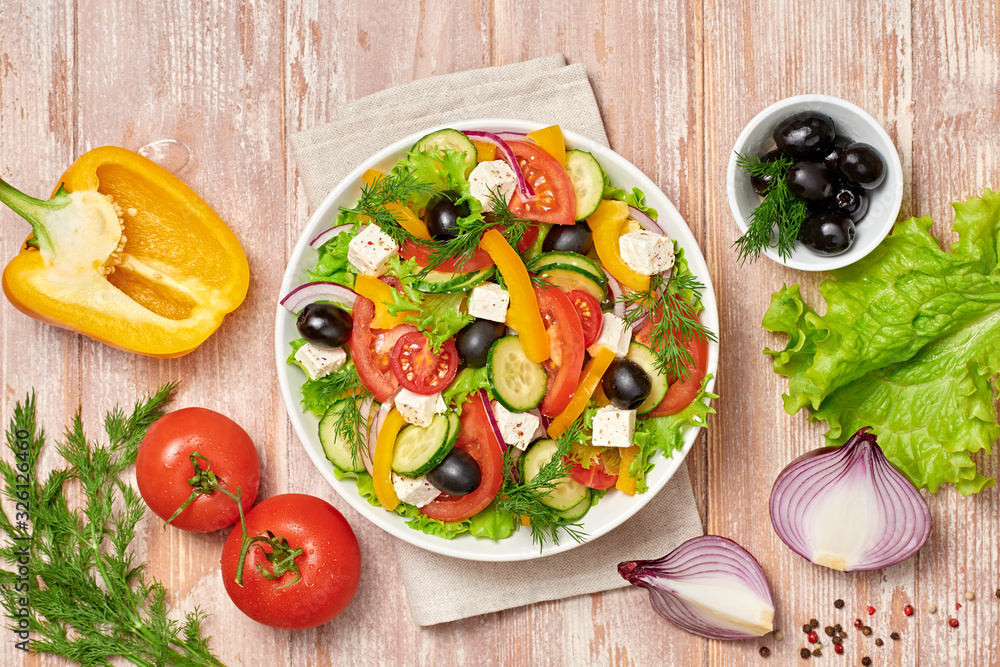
676	82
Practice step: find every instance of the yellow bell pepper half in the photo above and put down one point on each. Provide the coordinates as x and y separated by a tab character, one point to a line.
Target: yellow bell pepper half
127	254
593	371
381	295
626	483
606	223
385	447
550	140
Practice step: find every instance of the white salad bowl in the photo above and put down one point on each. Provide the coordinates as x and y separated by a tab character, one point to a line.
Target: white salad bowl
615	507
848	119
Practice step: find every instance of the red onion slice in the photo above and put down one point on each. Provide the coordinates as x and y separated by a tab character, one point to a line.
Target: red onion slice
709	586
365	452
507	155
515	136
647	222
366	456
303	295
848	508
484	398
323	237
616	295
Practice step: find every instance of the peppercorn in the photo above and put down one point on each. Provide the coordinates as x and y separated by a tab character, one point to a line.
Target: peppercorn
838	627
764	651
817	653
908	610
866	631
838	649
879	642
813	637
804	653
894	636
931	608
843	634
858	623
871	610
807	628
953	622
837	640
970	596
866	661
997	593
813	623
829	630
779	635
839	604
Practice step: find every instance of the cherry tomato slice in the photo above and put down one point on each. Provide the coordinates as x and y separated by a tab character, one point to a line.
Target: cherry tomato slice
681	391
565	361
418	368
479	260
555	198
589	311
595	477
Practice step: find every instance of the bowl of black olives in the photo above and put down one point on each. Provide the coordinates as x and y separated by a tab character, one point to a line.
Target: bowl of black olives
814	183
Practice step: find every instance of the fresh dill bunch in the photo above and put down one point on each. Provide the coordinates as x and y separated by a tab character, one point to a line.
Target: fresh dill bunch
393	188
779	211
352	424
669	305
524	498
89	599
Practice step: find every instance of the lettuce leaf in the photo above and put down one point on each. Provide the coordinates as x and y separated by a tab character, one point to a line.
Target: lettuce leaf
636	198
468	381
492	524
909	346
332	264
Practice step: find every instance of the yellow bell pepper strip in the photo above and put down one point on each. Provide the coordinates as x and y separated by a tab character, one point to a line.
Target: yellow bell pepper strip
485	152
523	315
593	371
385	446
606	223
381	295
626	483
550	140
406	218
127	254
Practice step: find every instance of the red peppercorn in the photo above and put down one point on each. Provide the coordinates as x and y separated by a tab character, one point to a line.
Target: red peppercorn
908	610
858	623
953	622
958	605
871	610
813	637
838	649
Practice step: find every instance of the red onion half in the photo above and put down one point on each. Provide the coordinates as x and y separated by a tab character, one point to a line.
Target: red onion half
647	222
323	237
484	398
507	155
303	295
848	508
709	586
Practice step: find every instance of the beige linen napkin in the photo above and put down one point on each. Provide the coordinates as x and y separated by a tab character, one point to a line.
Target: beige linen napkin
546	90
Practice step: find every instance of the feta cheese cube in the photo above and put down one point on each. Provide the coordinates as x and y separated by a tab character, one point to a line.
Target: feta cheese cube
369	251
318	362
613	427
416	492
489	302
645	252
615	334
490	177
517	428
419	409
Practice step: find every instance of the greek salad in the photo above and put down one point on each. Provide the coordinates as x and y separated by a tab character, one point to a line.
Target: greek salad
495	336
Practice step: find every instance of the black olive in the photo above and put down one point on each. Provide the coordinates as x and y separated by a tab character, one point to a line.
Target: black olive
625	384
761	183
442	217
325	325
569	238
827	232
833	155
849	200
457	475
861	165
811	181
476	339
804	134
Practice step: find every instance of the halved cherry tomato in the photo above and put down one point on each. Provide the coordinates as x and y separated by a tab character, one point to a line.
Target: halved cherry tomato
478	440
595	477
566	348
589	312
418	368
479	260
681	391
555	198
370	350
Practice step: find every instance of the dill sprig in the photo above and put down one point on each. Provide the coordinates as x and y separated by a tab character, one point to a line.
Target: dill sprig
345	387
89	599
524	498
669	303
780	211
393	188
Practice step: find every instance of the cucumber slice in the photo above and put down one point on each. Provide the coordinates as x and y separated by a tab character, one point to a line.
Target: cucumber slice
575	262
337	449
568	279
646	359
517	382
419	449
441	282
450	140
578	511
567	492
588	181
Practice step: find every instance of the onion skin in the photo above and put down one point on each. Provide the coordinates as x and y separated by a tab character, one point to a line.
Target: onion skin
847	508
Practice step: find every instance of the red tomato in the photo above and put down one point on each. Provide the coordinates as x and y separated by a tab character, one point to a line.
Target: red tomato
681	391
163	467
371	349
476	438
479	260
565	362
329	563
596	476
418	368
589	312
555	198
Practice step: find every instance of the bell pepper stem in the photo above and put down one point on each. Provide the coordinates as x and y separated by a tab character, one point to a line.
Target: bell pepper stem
31	209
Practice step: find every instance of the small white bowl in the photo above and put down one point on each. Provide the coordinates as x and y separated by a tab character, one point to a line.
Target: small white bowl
850	120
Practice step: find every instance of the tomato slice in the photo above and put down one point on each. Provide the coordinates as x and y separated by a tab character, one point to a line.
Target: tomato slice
566	348
478	440
681	391
370	350
589	312
555	198
595	477
418	368
479	260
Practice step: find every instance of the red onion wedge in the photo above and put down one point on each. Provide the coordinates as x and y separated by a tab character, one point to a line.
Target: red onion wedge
303	295
484	398
507	155
848	508
647	222
709	586
515	136
616	294
366	456
365	451
323	237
